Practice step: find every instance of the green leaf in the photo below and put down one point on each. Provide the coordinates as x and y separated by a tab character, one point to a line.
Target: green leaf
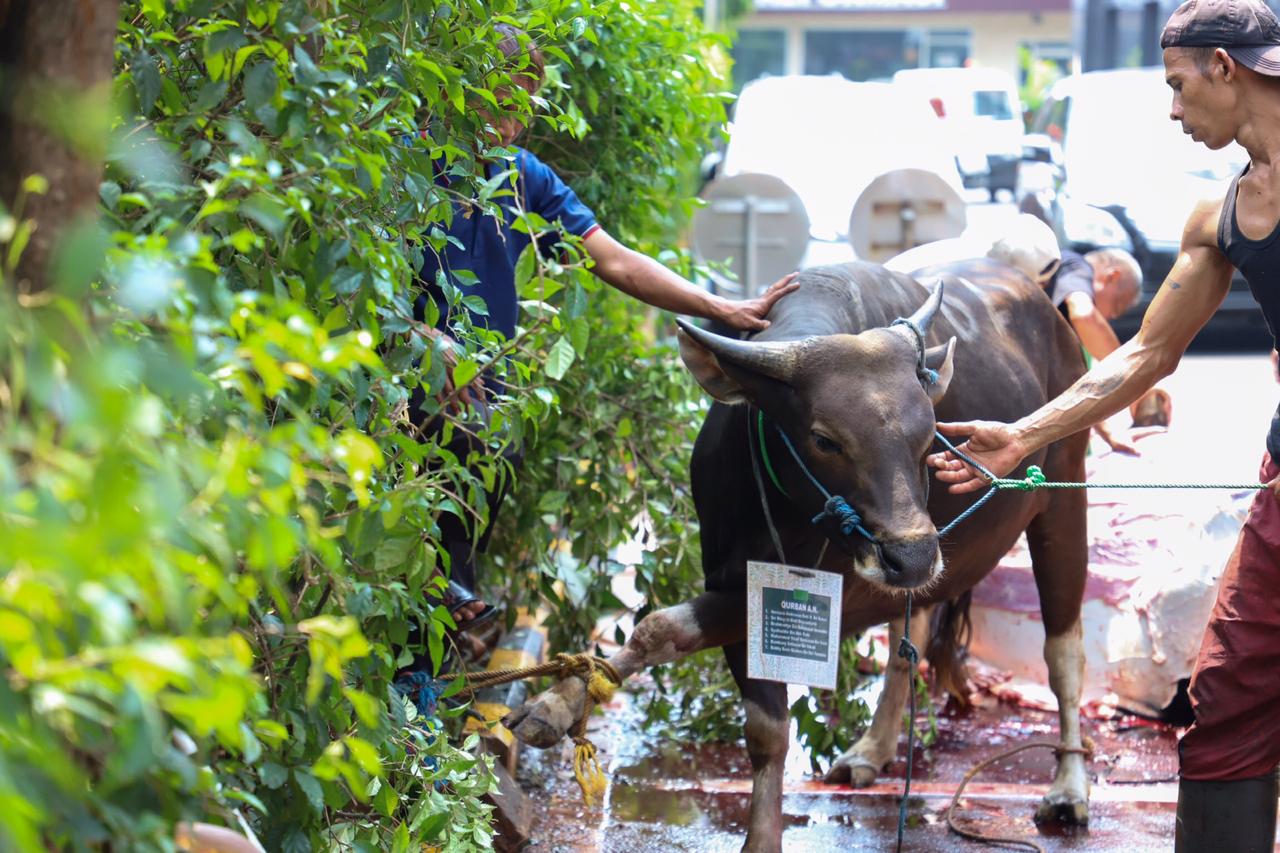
456	96
386	800
272	774
305	70
391	553
268	212
295	841
311	787
260	84
146	80
559	359
434	825
80	255
154	10
464	372
109	192
400	839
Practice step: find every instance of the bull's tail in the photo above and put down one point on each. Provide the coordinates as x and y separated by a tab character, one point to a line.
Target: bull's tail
949	645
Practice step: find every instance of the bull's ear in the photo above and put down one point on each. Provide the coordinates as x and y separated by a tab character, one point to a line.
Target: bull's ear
940	359
707	370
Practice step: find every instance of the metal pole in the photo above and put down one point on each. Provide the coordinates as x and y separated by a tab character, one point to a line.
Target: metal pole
749	247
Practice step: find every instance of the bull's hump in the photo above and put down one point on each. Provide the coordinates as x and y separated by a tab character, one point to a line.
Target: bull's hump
842	299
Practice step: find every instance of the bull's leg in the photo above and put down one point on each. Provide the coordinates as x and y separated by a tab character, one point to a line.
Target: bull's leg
1060	558
767	730
863	761
712	619
1068	797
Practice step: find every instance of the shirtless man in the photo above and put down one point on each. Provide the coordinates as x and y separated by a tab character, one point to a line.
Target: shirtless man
1222	60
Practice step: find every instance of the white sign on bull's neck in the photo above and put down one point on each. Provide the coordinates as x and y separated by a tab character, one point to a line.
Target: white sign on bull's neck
793	624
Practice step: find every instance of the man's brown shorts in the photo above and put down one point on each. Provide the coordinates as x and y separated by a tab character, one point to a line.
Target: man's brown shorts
1235	689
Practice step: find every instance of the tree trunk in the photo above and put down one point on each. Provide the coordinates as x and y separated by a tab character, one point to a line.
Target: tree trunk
55	73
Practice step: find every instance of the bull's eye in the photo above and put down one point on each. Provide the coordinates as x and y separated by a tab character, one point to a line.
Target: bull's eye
825	444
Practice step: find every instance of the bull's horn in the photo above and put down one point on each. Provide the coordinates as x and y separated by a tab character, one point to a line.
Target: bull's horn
775	359
924	315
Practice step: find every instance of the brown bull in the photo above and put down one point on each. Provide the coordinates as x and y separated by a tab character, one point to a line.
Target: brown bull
844	385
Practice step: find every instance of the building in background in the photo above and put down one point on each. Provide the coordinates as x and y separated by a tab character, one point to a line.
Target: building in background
1123	33
871	39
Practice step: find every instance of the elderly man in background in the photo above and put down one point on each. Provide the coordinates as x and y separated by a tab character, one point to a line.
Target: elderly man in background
1090	290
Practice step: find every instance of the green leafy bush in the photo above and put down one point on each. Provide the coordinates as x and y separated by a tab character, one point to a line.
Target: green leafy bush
216	522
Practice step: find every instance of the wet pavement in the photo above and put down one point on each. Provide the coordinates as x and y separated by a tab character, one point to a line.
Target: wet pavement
668	796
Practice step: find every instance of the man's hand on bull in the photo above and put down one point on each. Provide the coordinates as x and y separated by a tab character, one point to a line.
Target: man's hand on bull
992	444
749	314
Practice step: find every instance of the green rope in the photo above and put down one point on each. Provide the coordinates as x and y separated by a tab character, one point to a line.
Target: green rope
1035	479
764	454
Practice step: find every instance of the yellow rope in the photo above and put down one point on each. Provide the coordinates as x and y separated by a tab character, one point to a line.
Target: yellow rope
586	769
602	680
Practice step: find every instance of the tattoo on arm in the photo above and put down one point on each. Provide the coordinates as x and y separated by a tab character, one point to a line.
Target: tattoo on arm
1173	285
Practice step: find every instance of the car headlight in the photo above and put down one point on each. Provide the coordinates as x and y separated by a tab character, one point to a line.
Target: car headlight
1086	225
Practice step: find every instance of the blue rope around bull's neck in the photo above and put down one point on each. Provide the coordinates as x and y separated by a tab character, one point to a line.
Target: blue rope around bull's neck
836	507
927	375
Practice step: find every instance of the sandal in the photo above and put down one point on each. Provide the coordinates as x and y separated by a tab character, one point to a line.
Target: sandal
455	596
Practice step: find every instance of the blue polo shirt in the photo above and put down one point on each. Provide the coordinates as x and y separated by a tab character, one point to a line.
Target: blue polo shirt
489	248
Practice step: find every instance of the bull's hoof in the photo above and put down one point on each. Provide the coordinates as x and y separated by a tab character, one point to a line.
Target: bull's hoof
543	720
852	769
1063	808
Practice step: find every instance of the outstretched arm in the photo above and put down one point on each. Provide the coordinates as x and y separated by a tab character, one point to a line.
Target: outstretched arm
1190	295
649	281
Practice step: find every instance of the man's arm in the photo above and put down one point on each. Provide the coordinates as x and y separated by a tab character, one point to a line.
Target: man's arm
1091	327
649	281
1195	287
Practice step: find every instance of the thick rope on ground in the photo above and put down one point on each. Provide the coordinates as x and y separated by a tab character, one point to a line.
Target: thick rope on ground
602	679
973	834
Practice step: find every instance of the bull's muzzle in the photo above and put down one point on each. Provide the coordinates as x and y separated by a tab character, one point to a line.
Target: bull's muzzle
909	563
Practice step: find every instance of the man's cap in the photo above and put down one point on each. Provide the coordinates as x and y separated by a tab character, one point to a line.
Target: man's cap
1246	29
1030	246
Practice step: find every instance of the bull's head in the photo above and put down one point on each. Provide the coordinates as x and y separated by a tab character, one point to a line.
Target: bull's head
857	412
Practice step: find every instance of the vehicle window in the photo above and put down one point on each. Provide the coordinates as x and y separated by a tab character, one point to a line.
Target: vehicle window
992	104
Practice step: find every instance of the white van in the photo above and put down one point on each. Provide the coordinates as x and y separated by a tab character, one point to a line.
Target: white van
828	138
982	115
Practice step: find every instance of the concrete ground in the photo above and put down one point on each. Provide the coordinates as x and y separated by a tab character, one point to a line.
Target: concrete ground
666	796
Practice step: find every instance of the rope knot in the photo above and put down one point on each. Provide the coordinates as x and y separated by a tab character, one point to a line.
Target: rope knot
846	516
908	651
1035	479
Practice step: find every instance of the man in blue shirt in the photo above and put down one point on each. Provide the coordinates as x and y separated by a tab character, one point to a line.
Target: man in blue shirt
488	249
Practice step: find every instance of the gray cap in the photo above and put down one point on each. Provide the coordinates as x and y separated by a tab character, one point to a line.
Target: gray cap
1246	29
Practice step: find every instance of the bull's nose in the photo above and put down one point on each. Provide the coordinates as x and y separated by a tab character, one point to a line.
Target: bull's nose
909	562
